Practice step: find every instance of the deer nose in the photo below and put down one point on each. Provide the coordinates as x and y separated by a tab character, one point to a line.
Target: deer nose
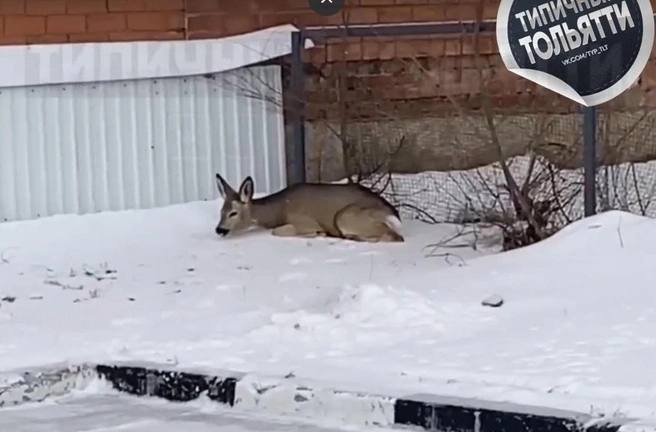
221	231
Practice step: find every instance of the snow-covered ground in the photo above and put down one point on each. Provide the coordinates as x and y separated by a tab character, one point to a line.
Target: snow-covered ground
577	329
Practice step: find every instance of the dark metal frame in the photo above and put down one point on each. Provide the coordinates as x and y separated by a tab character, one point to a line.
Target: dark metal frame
296	148
589	161
296	151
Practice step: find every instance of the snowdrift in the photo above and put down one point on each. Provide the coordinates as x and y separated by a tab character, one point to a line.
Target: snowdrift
577	329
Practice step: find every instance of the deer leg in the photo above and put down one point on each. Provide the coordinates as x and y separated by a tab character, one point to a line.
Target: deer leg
365	224
284	231
300	228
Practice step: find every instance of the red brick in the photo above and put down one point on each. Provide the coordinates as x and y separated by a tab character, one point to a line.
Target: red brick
648	77
422	48
47	39
244	6
472	76
370	50
163	5
650	96
231	6
362	15
438	48
144	5
125	5
12	40
194	6
86	6
2	25
66	24
490	11
388	51
206	34
449	62
353	51
496	62
291	5
453	47
376	2
241	24
12	7
88	37
317	55
207	23
461	12
24	25
274	19
146	35
335	52
395	14
428	13
45	7
403	49
411	2
111	22
488	45
414	48
155	21
314	19
468	45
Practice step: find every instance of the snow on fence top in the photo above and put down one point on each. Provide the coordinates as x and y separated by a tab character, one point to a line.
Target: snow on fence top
111	61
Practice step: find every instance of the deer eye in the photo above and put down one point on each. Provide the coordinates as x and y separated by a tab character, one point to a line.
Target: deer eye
232	214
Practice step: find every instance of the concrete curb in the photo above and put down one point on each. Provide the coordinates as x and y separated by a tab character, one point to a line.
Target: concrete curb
285	397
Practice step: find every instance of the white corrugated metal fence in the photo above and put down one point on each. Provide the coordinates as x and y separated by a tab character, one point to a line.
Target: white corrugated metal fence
81	148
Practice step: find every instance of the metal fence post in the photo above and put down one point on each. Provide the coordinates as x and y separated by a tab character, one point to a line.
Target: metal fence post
297	150
590	160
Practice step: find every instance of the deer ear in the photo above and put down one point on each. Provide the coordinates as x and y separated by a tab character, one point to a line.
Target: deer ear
223	186
246	189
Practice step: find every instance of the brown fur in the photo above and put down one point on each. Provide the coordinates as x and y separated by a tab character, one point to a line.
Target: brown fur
348	211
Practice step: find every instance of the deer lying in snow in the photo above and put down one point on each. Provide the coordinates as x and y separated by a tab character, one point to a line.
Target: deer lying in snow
347	211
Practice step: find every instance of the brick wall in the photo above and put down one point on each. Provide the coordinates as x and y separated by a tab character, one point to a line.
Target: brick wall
225	17
57	21
54	21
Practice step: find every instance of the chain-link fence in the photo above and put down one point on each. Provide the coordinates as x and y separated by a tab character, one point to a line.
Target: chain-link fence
461	196
464	195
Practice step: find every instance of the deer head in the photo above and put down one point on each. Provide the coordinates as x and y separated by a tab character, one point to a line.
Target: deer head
235	214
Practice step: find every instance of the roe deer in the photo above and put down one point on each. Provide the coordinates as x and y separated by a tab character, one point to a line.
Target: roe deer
348	211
